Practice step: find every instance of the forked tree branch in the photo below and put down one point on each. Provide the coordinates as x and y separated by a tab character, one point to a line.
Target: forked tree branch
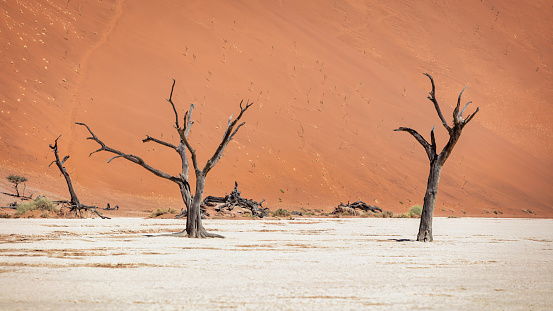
430	149
129	157
227	137
470	116
456	118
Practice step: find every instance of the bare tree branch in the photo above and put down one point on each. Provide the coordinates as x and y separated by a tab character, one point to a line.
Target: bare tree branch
456	117
129	157
227	137
170	100
432	98
462	111
188	120
470	116
433	140
166	144
427	147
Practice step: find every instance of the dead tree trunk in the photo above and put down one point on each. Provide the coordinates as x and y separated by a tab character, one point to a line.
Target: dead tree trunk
437	160
194	227
75	205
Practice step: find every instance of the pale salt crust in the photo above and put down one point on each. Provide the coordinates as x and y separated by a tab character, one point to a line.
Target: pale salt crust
302	264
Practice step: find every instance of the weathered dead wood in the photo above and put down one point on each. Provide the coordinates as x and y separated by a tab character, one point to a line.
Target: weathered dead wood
351	208
235	199
74	204
437	160
194	227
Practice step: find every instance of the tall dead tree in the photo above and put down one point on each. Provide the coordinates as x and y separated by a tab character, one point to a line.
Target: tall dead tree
437	160
74	204
194	227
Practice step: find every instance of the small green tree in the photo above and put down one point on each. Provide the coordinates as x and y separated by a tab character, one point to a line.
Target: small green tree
16	180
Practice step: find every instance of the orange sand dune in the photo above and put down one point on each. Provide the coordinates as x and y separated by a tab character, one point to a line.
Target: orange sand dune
330	81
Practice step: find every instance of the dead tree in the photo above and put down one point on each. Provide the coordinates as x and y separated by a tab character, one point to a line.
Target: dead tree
74	204
235	199
360	205
437	160
194	227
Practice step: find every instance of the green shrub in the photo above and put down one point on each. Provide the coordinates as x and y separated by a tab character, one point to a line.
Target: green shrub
415	211
40	203
281	213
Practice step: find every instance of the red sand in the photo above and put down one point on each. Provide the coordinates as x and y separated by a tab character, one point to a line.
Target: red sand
330	81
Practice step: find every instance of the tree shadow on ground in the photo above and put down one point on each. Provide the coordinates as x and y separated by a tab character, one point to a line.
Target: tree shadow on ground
401	240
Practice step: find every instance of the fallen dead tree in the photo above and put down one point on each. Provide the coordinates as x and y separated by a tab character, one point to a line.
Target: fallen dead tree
351	209
235	199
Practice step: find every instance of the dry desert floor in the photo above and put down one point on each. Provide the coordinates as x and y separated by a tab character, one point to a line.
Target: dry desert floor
302	264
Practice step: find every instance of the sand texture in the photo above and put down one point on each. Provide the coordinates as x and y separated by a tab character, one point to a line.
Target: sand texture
307	264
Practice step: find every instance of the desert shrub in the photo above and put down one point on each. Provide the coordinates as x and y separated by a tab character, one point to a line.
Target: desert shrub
162	211
40	203
366	214
5	215
345	211
415	211
403	215
281	213
387	214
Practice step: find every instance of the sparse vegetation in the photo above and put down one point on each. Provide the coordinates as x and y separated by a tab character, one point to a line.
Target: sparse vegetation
162	211
40	203
387	214
5	215
16	180
281	213
415	211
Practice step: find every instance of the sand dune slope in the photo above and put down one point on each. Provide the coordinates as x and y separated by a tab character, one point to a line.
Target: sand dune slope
330	82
